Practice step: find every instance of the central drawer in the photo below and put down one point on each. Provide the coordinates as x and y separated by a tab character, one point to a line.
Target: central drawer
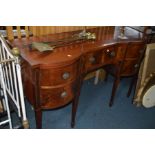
109	55
113	53
93	60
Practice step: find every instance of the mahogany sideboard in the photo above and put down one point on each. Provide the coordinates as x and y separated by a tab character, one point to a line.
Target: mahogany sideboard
53	79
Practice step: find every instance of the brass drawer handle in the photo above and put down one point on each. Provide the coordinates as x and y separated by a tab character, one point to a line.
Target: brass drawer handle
63	94
136	65
92	59
110	53
65	75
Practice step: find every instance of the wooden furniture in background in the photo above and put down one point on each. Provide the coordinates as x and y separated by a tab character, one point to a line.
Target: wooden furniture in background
45	30
17	32
52	79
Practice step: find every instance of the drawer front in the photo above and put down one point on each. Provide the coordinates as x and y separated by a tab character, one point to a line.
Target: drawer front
113	54
109	55
57	97
52	77
93	60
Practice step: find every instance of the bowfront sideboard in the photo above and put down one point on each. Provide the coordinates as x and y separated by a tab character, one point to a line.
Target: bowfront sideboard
53	79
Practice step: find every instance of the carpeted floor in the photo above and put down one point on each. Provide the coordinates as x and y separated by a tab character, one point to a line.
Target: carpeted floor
94	112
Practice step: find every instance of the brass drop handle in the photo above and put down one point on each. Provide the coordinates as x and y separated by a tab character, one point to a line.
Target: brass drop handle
111	53
136	65
108	51
63	94
92	59
15	51
65	75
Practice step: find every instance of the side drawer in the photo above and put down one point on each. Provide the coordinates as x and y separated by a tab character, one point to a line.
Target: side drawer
58	76
57	97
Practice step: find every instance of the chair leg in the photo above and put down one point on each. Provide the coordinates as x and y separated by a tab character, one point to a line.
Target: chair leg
115	85
132	84
38	117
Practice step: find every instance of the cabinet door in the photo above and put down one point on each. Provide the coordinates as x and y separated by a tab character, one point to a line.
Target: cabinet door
129	67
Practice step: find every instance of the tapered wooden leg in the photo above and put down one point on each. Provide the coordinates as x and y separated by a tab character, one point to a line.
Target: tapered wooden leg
115	85
74	110
132	84
38	117
75	103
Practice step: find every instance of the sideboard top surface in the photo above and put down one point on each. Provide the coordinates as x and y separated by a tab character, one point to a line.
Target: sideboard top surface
71	52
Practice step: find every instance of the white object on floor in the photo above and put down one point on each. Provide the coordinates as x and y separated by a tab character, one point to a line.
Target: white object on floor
96	77
149	98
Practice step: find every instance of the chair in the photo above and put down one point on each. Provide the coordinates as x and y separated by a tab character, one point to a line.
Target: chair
128	66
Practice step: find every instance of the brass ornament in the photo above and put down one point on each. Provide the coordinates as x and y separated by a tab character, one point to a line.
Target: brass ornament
15	51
